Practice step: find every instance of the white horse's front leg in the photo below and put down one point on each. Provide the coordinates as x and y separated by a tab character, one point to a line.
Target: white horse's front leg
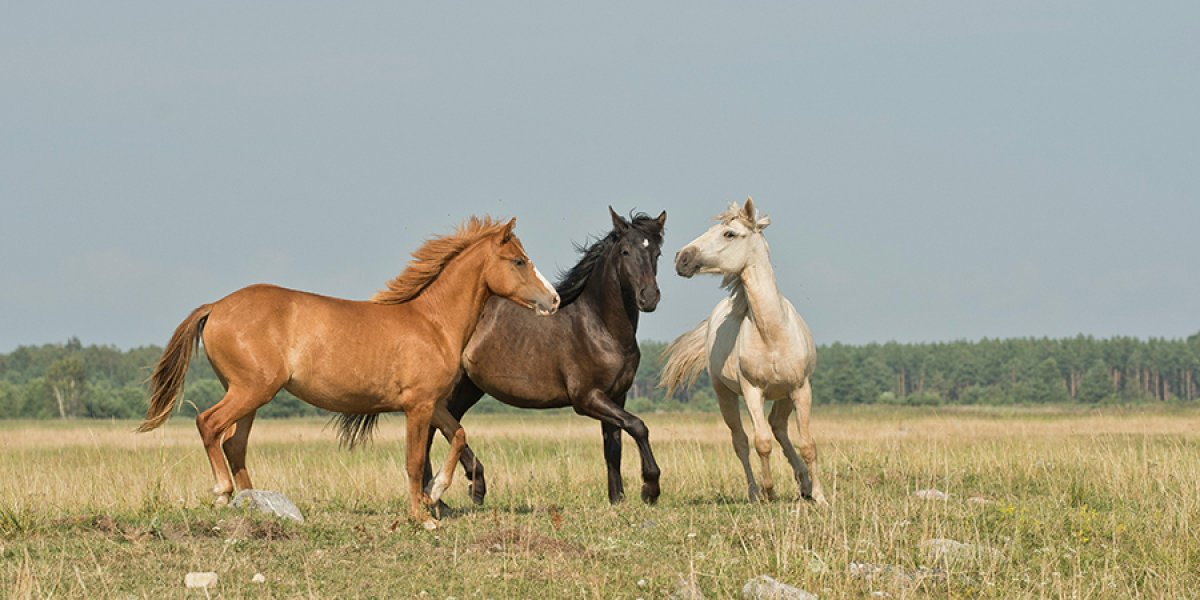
728	401
763	437
802	398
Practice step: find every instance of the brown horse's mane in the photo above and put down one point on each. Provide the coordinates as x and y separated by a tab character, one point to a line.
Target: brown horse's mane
431	259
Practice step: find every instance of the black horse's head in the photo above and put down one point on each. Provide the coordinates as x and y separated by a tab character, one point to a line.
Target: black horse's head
637	246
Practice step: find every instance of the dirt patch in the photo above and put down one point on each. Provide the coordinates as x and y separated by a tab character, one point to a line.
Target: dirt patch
523	541
241	528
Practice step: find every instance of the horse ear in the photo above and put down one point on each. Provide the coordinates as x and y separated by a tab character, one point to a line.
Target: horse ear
749	210
762	223
661	220
507	235
619	222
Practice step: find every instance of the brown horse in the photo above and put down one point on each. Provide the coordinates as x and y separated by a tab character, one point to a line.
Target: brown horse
397	352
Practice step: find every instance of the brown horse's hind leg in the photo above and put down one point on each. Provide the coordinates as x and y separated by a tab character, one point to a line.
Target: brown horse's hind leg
214	425
235	451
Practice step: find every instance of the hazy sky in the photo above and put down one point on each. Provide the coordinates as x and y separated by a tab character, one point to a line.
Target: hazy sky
933	170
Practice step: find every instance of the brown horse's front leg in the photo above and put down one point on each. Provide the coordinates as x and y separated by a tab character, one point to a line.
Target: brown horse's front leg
466	394
417	437
457	436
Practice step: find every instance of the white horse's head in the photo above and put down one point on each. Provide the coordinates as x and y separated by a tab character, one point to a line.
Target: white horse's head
727	247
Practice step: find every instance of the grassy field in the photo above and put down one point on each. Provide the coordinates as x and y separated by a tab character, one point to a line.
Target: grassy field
1055	503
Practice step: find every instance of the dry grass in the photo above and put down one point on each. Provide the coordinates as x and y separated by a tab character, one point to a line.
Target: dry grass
1072	504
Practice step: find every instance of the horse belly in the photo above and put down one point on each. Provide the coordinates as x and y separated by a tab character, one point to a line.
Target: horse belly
342	397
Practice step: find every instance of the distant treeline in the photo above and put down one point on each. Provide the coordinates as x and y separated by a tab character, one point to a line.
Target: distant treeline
70	380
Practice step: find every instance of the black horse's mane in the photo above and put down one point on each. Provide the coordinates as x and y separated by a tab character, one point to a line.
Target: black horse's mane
572	281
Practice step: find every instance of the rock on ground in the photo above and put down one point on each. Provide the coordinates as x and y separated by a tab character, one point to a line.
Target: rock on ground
268	502
952	552
686	589
931	494
764	587
204	579
872	572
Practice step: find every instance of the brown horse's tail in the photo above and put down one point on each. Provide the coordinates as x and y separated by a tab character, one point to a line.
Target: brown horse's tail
686	358
166	383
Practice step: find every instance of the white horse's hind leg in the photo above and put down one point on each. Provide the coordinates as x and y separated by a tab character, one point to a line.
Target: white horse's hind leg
808	448
762	436
779	426
741	446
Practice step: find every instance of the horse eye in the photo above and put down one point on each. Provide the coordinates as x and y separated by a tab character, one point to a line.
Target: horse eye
729	235
519	262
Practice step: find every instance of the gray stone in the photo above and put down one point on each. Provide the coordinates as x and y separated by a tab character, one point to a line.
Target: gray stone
884	573
931	494
268	502
203	579
686	589
764	587
951	552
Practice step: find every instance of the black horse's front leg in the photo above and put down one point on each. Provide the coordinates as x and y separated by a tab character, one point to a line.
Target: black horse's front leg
599	406
611	435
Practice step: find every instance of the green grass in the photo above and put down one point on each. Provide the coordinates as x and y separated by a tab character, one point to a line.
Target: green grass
1077	504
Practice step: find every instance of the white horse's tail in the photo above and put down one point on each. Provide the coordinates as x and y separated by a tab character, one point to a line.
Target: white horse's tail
686	357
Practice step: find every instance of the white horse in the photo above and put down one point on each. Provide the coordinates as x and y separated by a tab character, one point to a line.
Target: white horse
754	345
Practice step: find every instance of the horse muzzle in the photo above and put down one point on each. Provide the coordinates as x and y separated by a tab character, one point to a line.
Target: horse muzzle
685	262
647	299
545	309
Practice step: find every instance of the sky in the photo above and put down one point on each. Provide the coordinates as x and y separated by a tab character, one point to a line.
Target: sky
933	170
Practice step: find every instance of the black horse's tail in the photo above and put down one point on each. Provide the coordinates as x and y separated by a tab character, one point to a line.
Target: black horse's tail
355	429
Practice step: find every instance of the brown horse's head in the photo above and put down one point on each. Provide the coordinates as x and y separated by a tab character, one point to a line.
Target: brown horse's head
510	274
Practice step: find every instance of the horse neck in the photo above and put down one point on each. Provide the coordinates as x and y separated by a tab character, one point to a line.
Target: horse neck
764	302
612	302
455	299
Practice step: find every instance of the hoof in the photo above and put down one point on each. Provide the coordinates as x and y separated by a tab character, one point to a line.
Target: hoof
478	491
650	493
221	500
439	509
429	524
818	499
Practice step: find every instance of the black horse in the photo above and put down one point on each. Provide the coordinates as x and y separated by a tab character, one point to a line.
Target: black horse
583	356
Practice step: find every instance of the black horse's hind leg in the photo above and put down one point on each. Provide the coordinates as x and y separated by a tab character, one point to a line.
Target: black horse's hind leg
597	405
465	395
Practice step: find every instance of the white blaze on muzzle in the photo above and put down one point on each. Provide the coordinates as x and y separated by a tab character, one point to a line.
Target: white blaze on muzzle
543	279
